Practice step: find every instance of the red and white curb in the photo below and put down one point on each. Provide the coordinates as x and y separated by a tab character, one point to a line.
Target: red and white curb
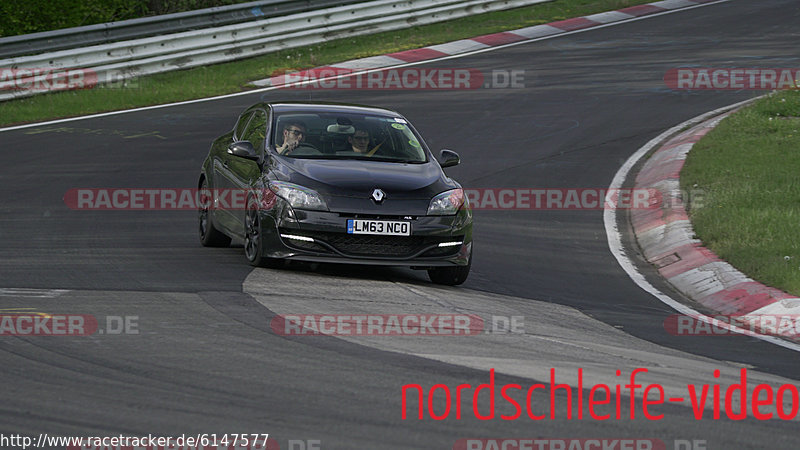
492	40
667	241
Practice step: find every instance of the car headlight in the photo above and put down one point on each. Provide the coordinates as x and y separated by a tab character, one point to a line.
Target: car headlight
447	203
298	196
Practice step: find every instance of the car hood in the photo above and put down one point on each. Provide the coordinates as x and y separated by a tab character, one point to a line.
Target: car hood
347	185
353	177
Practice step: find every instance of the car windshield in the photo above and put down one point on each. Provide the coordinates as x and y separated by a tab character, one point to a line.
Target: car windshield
331	135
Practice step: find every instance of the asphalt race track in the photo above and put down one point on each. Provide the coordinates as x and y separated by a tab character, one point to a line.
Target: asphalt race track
205	360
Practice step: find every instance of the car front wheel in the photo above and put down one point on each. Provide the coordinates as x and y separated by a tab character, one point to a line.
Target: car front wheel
450	276
210	236
253	242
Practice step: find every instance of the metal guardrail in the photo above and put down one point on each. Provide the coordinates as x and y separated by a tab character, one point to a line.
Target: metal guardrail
129	59
104	33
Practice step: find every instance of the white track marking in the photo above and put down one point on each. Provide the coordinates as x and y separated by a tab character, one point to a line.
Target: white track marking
32	293
615	237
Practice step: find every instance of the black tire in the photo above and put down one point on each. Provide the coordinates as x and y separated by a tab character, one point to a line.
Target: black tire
210	236
450	276
253	242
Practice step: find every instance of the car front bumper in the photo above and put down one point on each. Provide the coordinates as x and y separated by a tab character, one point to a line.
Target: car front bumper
318	236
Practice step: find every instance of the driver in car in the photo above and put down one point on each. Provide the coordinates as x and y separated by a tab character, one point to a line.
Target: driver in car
294	133
359	141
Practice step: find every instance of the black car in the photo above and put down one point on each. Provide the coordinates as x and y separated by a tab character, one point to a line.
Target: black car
335	183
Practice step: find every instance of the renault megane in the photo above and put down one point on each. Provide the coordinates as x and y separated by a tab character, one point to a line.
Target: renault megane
335	183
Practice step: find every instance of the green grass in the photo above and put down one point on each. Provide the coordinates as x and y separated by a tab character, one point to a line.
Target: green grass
235	77
749	171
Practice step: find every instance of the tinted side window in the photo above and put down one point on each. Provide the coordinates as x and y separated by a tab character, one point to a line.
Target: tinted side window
239	129
256	131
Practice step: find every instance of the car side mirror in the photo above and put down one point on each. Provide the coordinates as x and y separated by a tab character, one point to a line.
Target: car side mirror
243	149
448	158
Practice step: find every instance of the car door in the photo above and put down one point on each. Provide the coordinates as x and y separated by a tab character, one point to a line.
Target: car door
220	180
239	174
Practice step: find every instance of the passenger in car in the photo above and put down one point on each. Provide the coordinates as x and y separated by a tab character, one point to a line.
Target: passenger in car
359	141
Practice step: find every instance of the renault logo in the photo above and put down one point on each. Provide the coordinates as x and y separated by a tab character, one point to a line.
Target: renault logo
378	195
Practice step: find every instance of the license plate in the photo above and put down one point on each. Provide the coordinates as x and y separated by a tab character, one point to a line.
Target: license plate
380	227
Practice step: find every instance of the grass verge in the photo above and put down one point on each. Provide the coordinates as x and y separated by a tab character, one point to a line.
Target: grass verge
235	76
748	169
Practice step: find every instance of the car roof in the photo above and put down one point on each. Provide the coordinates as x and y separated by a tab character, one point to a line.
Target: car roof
284	107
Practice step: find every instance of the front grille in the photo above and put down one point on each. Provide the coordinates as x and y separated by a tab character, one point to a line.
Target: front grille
376	216
376	245
380	246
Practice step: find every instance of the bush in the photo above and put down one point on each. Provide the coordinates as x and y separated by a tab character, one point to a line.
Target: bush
172	6
32	16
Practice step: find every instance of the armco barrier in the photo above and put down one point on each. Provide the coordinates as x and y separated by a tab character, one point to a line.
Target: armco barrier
104	33
130	59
